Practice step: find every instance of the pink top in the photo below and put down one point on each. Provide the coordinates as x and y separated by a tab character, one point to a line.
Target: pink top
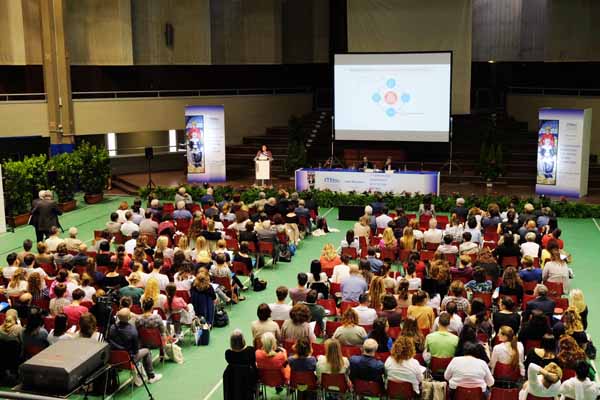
73	313
279	360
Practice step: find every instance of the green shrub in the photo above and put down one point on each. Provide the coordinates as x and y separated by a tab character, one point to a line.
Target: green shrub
67	167
95	168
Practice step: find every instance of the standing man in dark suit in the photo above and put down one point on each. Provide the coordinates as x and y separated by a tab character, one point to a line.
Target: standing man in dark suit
44	215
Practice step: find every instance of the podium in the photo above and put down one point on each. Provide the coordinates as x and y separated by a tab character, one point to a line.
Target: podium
262	169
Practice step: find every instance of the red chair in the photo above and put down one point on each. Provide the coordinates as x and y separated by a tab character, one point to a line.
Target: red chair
485	297
49	323
303	381
267	249
438	365
374	241
532	397
536	262
224	281
31	350
431	246
232	244
364	247
394	332
282	237
350	252
136	309
279	322
511	261
330	327
562	302
151	339
334	383
335	288
568	373
344	305
349	351
240	268
318	349
451	258
168	208
532	344
529	287
526	299
87	304
49	269
288	345
401	390
442	221
491	236
382	356
120	360
424	222
367	328
270	377
555	289
184	294
183	225
328	304
505	372
404	254
427	255
367	388
511	393
462	393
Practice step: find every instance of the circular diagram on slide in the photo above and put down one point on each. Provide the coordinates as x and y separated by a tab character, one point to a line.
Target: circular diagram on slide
391	98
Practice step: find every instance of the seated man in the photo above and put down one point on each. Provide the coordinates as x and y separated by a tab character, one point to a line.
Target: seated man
433	234
72	241
181	195
148	226
128	227
376	263
384	219
208	196
54	240
366	315
124	336
441	343
298	294
113	226
27	245
354	285
280	310
467	246
182	212
447	247
366	367
541	302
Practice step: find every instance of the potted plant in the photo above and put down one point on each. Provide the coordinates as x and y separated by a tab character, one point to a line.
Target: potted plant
296	157
94	172
17	193
66	166
490	162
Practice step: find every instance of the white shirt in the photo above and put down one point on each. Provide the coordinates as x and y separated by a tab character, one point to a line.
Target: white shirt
502	353
405	371
455	326
8	272
53	339
470	372
340	272
40	271
162	279
468	248
183	284
433	236
280	312
129	227
555	271
535	384
52	242
587	389
366	315
413	283
130	246
322	278
530	249
89	292
418	234
383	220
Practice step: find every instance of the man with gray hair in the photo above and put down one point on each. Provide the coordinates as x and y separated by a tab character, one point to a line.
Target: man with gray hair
181	212
460	210
124	336
541	302
366	367
181	195
44	215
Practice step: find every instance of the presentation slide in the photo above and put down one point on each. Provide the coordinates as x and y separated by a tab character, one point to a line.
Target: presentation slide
392	97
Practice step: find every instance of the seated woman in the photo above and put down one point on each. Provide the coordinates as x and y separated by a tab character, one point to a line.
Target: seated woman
529	273
379	334
203	296
506	315
350	241
175	305
133	290
463	271
333	362
184	278
569	354
11	328
456	294
420	311
350	333
410	329
240	376
455	228
329	259
362	227
43	255
469	335
202	252
221	249
581	386
264	324
401	366
508	248
60	330
291	224
511	284
60	301
220	269
152	291
17	284
509	351
271	356
389	311
302	359
479	283
243	257
298	325
404	298
414	282
577	301
317	280
542	382
544	354
479	318
468	370
34	335
408	241
388	240
571	325
88	328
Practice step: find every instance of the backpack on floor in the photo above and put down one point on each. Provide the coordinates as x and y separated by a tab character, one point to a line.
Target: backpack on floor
221	318
285	255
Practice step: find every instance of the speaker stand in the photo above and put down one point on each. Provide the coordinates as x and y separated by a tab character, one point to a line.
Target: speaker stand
332	161
151	185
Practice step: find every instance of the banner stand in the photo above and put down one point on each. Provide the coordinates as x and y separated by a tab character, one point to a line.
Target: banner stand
205	143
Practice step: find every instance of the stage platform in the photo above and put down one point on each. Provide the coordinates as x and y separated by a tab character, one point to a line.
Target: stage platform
175	178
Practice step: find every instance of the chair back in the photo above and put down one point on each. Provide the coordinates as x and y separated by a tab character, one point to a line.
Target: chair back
87	304
400	390
463	393
350	252
240	268
334	383
329	305
568	373
335	288
330	327
438	364
318	349
511	261
506	372
367	388
150	338
266	248
555	289
49	323
505	393
279	322
529	287
526	299
272	377
431	246
394	332
120	360
485	297
183	225
224	281
389	253
427	255
349	351
364	247
382	356
344	305
184	294
31	350
532	397
232	244
49	269
303	381
532	344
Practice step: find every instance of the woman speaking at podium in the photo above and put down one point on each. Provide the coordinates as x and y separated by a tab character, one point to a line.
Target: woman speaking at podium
262	163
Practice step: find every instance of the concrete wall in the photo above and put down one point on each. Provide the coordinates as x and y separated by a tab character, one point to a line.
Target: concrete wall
244	115
525	108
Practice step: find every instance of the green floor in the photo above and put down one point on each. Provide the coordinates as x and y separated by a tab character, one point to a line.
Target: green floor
200	376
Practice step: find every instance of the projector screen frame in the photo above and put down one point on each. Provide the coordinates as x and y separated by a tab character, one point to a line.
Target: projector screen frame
451	52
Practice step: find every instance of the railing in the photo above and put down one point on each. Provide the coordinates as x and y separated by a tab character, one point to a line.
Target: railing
6	97
580	92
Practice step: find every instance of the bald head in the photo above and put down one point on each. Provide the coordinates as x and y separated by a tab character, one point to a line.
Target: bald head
123	315
370	346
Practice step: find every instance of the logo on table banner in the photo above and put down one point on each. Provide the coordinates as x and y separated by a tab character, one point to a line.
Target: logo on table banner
329	179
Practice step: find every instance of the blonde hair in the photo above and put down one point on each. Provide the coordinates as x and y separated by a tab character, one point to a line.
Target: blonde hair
269	344
572	321
333	355
135	277
329	252
10	320
511	338
388	237
162	243
183	243
408	239
16	279
577	300
152	290
376	292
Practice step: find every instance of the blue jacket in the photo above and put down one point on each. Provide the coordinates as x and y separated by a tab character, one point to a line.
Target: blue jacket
203	303
366	368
